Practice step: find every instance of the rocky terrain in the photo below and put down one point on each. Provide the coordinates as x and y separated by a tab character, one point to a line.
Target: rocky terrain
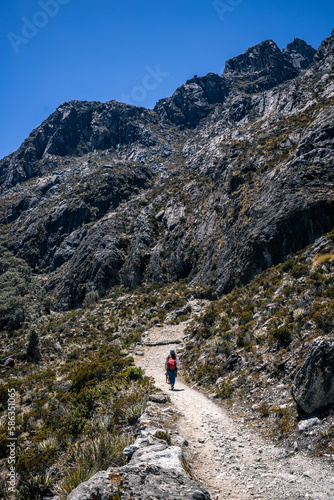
155	468
207	221
220	181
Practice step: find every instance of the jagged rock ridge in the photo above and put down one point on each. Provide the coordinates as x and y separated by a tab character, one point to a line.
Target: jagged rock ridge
221	180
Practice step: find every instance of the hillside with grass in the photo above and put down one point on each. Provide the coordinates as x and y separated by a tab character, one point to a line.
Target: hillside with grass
80	398
247	347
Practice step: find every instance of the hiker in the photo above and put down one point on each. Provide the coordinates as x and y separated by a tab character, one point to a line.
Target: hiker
171	364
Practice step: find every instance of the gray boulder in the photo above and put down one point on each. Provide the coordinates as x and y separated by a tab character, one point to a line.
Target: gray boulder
9	362
147	482
155	471
313	387
306	425
161	455
158	398
173	213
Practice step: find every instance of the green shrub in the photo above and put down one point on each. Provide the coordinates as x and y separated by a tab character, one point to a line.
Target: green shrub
4	395
200	372
90	298
210	317
324	318
134	412
287	265
164	436
95	371
264	409
32	461
98	454
15	278
242	338
326	443
11	311
248	346
4	493
299	270
330	292
282	335
76	420
33	342
204	332
48	445
285	422
4	450
74	476
245	317
225	390
35	487
134	373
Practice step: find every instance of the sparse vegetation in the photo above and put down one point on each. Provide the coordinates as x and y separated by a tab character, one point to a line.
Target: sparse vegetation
84	388
164	436
268	326
15	285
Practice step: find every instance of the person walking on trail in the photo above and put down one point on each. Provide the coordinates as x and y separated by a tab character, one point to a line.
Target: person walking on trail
171	365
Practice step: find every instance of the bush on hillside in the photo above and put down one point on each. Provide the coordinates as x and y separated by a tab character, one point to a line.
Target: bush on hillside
283	335
15	278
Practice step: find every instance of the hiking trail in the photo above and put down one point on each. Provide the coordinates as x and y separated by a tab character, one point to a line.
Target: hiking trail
227	458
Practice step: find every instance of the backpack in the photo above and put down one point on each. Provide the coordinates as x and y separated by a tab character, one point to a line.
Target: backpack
171	364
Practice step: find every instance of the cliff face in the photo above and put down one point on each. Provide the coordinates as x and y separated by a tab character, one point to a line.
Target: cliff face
223	179
75	129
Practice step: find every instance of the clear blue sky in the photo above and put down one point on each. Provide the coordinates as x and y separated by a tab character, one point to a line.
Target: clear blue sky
54	51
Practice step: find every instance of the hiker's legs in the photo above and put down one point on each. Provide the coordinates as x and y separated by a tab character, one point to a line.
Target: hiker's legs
171	376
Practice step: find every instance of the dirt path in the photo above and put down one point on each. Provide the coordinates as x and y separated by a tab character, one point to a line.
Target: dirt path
231	461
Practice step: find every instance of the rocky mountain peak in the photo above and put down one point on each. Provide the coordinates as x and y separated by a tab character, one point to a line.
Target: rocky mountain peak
264	66
74	129
324	58
202	187
77	128
192	101
256	58
261	67
299	53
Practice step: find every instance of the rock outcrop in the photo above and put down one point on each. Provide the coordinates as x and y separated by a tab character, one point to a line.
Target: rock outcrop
313	387
154	471
299	53
146	482
74	129
193	101
324	58
260	68
223	179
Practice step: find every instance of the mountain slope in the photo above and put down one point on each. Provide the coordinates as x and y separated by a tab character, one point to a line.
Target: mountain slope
158	211
220	181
